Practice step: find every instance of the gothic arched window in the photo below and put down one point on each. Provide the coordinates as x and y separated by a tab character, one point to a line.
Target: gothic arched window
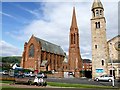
31	50
74	38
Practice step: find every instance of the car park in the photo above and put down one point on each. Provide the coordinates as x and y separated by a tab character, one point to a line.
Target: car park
104	78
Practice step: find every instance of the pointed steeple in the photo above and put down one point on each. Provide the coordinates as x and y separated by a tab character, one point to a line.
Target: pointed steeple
97	4
74	21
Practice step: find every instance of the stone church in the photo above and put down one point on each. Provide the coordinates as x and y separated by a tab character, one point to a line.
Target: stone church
40	55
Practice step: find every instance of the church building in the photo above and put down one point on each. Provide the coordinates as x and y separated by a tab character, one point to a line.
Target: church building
40	55
114	56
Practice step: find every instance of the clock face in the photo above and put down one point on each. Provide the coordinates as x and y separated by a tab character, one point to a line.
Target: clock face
117	45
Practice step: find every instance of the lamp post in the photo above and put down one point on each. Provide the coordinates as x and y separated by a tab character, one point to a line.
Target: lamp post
113	84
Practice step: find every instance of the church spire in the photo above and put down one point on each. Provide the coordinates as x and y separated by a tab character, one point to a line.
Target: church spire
97	4
74	21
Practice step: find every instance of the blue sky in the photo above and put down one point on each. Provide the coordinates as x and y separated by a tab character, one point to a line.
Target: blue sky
51	21
15	18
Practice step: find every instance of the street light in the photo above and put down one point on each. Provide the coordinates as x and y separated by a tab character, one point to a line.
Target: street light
113	84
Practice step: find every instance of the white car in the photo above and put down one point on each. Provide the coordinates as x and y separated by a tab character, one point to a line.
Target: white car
104	78
29	74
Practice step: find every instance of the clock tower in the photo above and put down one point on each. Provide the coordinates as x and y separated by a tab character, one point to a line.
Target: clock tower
99	40
75	61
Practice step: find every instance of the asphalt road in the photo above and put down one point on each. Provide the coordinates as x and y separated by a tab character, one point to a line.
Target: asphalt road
82	81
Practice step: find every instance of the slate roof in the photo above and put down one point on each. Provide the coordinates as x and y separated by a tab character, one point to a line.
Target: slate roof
50	47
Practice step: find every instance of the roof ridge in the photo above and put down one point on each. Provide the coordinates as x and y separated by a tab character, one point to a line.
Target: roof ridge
47	41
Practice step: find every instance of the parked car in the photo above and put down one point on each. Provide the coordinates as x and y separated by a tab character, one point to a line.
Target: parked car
42	75
104	78
5	72
70	73
29	74
30	80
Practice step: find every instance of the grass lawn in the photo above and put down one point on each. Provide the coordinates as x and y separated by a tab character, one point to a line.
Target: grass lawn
78	85
56	84
6	82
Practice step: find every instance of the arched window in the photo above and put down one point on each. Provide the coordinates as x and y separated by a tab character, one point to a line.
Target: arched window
74	38
100	12
97	24
97	12
102	62
31	50
95	46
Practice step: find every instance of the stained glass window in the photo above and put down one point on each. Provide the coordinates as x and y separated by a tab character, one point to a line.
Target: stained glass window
31	50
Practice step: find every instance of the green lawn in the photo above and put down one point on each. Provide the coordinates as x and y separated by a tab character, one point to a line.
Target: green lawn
78	85
67	85
6	82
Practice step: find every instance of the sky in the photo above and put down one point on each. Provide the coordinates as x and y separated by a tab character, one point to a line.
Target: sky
51	21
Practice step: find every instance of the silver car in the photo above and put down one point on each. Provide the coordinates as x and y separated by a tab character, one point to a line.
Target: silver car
104	78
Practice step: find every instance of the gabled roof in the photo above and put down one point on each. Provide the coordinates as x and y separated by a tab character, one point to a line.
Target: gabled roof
50	47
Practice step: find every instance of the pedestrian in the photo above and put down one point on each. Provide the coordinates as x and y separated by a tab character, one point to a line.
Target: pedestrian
40	82
36	80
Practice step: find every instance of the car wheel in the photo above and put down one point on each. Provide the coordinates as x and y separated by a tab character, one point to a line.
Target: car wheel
97	79
110	80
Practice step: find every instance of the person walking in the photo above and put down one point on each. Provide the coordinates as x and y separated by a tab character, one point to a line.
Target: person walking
36	80
40	82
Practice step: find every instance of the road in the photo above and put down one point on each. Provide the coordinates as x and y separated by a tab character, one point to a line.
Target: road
82	81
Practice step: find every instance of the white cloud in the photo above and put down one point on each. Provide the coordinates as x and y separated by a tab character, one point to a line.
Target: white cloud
8	49
55	25
8	15
33	12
